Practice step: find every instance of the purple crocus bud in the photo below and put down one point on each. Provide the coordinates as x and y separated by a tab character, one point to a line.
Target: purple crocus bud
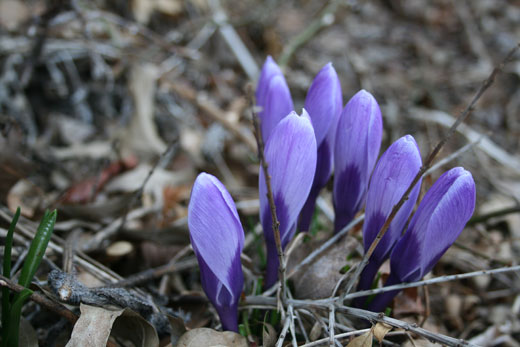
392	176
217	238
439	220
273	96
290	153
358	140
323	103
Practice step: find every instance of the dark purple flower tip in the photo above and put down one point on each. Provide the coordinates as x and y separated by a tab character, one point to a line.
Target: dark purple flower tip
358	140
439	220
273	96
324	101
291	156
392	176
217	238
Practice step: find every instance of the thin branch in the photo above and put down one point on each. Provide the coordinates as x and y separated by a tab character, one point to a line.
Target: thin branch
440	279
270	198
429	161
498	213
42	300
283	333
366	315
339	336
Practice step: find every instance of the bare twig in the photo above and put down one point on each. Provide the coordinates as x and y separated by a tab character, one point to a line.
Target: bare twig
234	41
332	320
270	198
432	281
498	213
42	300
366	315
285	328
339	336
429	161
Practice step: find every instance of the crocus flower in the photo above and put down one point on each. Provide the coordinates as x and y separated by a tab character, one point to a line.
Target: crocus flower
323	103
290	153
273	96
392	175
358	140
217	238
439	220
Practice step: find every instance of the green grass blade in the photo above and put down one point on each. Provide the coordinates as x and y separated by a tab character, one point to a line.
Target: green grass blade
7	273
37	248
14	318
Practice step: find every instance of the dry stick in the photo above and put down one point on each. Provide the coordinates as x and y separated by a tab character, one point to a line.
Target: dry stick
497	213
42	300
270	198
369	316
283	333
332	320
339	336
485	85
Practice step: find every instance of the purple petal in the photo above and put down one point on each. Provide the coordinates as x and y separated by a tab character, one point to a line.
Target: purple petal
392	176
358	140
217	238
225	302
439	220
324	101
269	70
273	96
290	153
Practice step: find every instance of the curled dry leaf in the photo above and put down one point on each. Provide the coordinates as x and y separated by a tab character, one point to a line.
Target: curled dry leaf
269	336
364	340
315	331
96	324
211	338
380	330
319	278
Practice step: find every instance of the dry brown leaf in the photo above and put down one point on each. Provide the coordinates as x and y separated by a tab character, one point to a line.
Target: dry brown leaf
315	331
13	14
177	329
211	338
96	324
380	330
319	279
364	340
268	335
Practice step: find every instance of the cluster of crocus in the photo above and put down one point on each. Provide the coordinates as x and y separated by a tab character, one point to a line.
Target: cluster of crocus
301	152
